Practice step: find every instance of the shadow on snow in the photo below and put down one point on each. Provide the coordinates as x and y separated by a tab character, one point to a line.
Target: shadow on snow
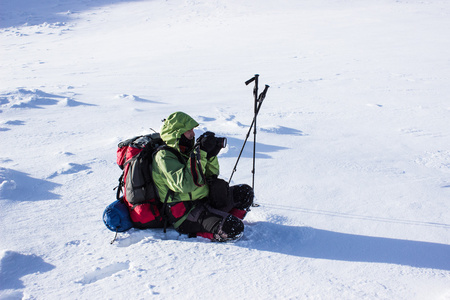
314	243
330	245
18	186
22	98
31	12
14	265
235	146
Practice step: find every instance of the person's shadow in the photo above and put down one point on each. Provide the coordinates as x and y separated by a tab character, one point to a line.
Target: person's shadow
323	244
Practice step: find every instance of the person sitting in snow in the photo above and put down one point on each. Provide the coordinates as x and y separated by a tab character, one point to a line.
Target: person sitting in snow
195	200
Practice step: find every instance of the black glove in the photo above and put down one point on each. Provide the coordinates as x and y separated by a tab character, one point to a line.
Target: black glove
207	141
214	151
219	194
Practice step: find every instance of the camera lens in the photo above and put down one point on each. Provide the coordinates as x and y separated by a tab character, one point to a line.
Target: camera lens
222	142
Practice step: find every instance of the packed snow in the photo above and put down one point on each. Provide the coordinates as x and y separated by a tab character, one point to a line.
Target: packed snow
352	153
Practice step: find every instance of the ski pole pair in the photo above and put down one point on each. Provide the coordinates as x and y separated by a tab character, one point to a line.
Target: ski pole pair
258	100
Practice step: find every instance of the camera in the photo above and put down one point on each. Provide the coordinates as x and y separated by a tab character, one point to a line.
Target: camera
220	142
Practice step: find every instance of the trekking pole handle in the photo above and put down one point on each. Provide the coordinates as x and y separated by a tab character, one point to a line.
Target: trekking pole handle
251	79
262	96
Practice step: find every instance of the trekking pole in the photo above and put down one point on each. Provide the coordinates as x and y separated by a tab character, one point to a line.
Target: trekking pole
258	102
255	94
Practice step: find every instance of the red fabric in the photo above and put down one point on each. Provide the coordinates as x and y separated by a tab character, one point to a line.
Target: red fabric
178	210
125	153
121	156
206	235
131	151
239	213
143	213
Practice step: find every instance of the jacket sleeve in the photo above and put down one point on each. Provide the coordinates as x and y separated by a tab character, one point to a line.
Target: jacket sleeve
212	167
182	177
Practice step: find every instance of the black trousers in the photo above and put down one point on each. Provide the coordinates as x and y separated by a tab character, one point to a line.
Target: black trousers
206	218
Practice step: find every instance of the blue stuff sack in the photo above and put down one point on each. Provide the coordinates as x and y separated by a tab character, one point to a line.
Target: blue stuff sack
117	217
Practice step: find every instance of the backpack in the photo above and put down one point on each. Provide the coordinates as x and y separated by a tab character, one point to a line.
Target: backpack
135	157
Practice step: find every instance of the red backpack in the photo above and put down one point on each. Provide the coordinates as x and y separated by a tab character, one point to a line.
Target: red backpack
134	157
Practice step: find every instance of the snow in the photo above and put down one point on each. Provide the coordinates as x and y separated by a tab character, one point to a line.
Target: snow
353	152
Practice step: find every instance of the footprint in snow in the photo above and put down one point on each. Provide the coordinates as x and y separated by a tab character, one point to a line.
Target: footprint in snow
135	98
102	273
282	130
205	119
15	122
70	168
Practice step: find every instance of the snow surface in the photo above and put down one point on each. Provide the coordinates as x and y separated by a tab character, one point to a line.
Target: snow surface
353	151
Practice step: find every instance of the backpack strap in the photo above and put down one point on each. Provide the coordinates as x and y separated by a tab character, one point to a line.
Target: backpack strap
170	193
119	187
196	168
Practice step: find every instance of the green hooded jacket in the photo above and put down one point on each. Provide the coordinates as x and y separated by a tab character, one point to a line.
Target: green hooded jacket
186	180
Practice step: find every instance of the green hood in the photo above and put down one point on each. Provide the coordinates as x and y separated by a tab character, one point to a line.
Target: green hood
174	126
